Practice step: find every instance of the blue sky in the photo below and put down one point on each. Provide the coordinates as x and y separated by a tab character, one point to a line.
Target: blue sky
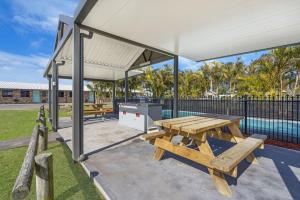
27	31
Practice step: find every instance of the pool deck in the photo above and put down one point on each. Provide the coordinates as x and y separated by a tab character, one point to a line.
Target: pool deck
121	166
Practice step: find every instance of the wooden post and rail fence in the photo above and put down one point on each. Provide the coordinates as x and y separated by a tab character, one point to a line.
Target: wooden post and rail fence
36	160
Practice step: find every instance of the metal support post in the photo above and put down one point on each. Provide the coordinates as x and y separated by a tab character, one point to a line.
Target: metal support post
77	95
50	98
54	96
126	86
114	96
77	90
175	104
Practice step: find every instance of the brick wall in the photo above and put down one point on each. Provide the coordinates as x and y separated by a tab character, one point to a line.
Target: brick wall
43	96
16	98
66	98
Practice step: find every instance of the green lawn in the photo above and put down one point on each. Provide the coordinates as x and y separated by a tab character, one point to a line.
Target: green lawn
19	123
16	123
70	180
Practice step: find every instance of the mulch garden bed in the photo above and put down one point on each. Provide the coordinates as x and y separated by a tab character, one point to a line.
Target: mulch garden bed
283	144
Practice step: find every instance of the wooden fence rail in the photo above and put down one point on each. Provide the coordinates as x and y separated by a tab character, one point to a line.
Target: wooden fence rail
42	163
22	185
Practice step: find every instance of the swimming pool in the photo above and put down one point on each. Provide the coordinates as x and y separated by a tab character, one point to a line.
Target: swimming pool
286	130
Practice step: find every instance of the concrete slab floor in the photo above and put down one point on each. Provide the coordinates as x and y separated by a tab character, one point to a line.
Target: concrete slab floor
122	164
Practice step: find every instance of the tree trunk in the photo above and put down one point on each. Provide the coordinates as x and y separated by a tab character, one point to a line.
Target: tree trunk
281	86
296	84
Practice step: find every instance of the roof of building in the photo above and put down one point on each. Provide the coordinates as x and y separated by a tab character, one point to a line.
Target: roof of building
199	30
33	86
105	58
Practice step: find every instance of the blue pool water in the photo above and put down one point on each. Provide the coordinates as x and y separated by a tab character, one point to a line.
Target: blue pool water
285	130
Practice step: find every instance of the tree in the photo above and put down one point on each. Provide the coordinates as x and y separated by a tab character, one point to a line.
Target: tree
159	81
103	89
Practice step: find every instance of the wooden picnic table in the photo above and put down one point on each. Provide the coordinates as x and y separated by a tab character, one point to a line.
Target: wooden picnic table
195	130
97	106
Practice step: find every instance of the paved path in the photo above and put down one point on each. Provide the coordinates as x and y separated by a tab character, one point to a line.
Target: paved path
20	142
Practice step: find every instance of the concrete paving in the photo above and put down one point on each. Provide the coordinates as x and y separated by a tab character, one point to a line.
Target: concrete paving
122	166
101	135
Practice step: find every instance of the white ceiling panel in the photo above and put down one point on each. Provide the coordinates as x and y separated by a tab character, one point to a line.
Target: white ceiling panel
200	29
104	58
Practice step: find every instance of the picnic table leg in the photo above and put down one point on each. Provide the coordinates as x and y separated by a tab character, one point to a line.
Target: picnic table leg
235	131
217	177
159	153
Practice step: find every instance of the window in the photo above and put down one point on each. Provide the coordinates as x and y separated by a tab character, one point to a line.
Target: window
44	93
70	94
61	94
25	93
7	93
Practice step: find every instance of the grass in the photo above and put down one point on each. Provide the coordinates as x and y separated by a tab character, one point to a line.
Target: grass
16	123
70	180
19	123
64	112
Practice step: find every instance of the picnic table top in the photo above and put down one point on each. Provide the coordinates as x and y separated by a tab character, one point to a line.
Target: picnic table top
198	124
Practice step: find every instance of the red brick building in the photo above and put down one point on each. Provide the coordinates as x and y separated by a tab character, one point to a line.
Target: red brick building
14	92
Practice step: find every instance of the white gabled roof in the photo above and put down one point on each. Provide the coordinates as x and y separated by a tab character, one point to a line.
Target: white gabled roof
33	86
104	58
200	29
195	29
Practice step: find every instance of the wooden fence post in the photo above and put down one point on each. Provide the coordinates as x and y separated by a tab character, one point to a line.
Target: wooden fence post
44	176
43	139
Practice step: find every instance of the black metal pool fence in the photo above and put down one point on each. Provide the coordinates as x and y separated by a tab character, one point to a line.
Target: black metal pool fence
276	117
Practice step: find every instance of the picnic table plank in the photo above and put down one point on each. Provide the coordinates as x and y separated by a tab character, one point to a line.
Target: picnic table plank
201	127
200	120
178	123
233	156
160	122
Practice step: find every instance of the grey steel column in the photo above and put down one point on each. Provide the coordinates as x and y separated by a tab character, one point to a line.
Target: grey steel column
114	96
175	103
94	97
54	96
126	86
77	97
50	97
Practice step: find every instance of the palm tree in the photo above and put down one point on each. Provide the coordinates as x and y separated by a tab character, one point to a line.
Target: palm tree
295	68
103	89
159	81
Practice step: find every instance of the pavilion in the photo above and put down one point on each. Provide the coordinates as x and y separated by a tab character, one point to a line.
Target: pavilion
111	39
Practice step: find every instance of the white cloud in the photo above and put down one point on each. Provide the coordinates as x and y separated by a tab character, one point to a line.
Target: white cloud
5	68
187	64
14	67
37	43
41	14
15	61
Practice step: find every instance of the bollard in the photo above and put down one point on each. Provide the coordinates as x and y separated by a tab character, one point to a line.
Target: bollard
44	176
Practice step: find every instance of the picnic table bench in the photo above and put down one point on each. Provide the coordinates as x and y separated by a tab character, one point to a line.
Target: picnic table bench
96	109
196	130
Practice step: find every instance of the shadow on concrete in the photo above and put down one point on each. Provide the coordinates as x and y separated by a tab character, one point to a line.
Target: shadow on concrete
217	147
66	122
284	159
114	144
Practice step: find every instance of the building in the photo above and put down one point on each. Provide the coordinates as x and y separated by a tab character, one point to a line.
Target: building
14	92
